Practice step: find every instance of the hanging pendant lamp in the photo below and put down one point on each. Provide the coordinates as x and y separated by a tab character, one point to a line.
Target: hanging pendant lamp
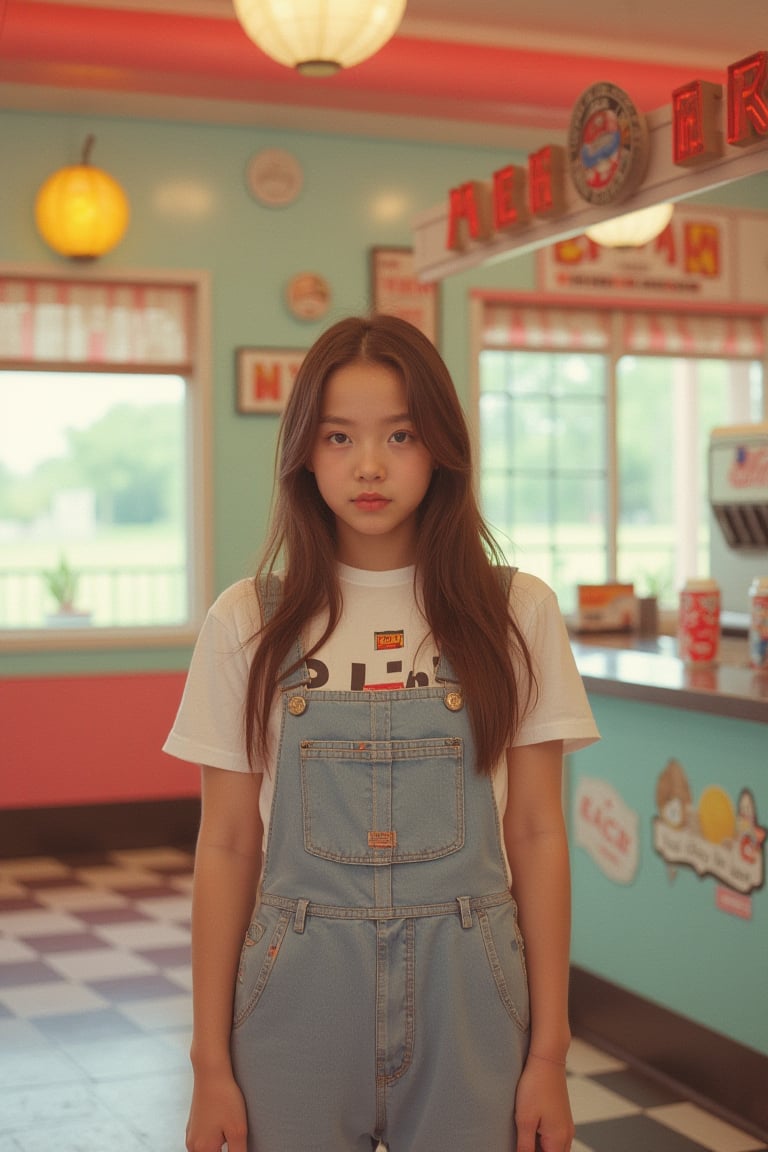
81	211
319	37
633	229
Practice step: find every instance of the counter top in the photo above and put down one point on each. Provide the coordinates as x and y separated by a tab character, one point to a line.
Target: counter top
620	664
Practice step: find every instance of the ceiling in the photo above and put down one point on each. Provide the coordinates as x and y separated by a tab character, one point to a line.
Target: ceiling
479	71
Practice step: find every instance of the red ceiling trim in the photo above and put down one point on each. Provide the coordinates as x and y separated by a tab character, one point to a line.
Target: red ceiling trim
126	50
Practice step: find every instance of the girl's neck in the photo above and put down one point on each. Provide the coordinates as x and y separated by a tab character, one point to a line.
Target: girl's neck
377	555
376	578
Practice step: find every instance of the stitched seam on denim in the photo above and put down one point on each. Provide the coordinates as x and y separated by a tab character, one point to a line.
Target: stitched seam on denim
402	912
520	943
386	856
382	988
410	1004
275	791
383	751
497	972
379	696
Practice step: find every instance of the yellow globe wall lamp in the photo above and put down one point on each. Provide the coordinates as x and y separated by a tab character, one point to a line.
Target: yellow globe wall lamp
319	37
81	211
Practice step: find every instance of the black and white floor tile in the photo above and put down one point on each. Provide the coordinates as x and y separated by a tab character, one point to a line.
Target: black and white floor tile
95	1022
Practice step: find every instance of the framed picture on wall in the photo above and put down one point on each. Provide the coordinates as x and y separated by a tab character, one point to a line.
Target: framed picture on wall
396	289
264	378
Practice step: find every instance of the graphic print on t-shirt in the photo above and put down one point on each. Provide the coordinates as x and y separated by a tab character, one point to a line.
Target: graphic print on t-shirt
381	671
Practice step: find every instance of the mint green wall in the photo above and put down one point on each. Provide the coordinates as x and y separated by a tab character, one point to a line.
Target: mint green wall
663	937
191	209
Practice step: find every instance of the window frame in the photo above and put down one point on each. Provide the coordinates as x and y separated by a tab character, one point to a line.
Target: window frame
616	313
198	483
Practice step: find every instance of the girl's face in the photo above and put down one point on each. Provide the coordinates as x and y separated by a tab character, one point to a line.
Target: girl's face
371	468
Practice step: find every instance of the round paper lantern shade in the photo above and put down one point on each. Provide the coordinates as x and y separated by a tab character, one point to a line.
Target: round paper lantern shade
318	37
81	211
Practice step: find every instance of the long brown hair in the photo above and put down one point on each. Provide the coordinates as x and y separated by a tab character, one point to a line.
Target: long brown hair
464	601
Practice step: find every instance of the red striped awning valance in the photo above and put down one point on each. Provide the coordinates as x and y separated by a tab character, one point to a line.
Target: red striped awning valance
509	325
693	334
531	327
95	323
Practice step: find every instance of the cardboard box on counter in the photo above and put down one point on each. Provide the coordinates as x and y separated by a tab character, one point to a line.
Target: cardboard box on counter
605	608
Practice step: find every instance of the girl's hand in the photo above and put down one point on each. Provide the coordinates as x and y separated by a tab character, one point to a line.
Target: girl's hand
542	1108
217	1115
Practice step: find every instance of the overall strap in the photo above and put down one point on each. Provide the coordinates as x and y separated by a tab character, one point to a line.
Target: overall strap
270	594
506	574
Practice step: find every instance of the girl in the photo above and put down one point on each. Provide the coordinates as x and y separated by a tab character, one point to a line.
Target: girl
381	726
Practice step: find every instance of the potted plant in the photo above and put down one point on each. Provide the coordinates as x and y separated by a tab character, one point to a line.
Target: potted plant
61	583
654	584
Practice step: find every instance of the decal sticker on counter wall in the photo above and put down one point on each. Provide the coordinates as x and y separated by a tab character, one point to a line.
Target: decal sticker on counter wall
607	829
714	835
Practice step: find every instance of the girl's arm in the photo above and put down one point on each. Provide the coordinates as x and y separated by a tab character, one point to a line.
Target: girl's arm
227	868
537	847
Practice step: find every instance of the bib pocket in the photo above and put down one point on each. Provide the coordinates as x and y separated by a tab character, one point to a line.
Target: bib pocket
382	802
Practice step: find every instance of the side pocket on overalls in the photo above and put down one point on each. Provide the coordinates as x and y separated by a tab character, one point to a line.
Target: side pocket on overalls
257	961
505	951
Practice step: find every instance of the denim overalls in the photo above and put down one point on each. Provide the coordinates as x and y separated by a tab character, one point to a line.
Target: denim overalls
382	992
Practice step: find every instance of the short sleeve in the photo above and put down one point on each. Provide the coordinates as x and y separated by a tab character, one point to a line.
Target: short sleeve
209	725
560	709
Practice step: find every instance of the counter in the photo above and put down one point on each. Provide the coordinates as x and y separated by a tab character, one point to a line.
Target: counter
667	821
619	664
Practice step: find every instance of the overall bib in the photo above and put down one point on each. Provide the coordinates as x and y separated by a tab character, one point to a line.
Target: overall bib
382	992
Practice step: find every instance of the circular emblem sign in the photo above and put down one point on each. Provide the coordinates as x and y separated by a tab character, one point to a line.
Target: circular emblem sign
308	296
607	145
274	177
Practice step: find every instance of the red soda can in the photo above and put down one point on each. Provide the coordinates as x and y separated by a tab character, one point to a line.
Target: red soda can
698	629
758	623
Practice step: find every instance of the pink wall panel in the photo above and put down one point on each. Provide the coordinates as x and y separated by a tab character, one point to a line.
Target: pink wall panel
90	740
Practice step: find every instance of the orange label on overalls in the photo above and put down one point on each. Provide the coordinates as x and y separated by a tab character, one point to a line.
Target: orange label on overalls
382	839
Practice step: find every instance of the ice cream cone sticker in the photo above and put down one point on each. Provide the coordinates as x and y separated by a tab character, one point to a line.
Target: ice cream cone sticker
714	835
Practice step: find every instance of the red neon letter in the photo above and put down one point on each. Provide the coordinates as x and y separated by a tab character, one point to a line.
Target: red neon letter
509	208
747	106
701	249
664	244
576	250
468	212
545	181
265	381
695	111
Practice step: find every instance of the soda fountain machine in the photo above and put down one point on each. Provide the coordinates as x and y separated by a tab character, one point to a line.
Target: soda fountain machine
738	499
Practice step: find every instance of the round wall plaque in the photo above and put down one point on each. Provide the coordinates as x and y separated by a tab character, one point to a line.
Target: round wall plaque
607	145
274	177
308	296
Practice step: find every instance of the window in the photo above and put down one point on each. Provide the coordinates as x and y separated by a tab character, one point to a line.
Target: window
101	463
665	409
544	467
594	427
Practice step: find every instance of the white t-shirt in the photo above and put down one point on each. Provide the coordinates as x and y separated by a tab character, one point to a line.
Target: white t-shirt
381	642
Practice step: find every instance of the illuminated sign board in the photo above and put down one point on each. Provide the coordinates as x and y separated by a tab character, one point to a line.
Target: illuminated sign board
614	156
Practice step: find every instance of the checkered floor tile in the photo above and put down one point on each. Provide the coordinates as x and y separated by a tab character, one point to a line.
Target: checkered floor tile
95	1022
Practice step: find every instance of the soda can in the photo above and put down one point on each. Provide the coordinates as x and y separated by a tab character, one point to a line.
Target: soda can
758	622
698	631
